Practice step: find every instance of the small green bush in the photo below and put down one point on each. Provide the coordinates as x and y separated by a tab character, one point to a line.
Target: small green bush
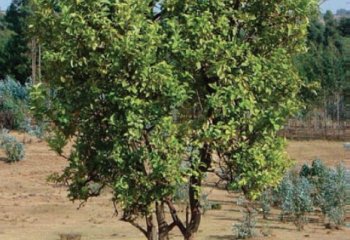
215	206
14	149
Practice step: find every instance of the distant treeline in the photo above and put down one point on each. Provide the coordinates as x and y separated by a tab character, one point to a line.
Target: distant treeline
15	41
324	68
343	13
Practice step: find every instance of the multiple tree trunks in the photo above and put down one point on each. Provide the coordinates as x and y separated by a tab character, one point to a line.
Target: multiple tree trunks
157	228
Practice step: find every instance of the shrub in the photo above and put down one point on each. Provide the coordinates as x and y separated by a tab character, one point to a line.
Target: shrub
215	206
13	103
14	89
37	130
13	148
14	110
333	196
181	198
295	193
266	199
246	229
329	192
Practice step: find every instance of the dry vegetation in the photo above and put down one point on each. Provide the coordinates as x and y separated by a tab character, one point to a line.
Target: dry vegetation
32	209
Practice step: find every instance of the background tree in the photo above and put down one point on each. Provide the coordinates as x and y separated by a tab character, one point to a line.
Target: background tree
324	66
15	53
344	27
151	91
5	35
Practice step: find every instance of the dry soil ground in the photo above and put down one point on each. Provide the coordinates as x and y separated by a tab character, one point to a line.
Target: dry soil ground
33	209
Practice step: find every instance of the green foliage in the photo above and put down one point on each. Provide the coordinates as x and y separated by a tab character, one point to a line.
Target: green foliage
344	27
295	193
181	198
13	103
14	109
215	206
5	35
57	141
14	149
143	87
14	52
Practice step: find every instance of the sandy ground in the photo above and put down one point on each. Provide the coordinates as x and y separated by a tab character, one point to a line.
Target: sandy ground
330	152
33	209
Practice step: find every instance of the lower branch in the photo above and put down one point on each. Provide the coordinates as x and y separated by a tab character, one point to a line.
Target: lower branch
133	222
175	217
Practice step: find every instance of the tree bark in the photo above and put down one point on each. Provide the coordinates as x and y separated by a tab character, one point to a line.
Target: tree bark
151	228
157	227
34	58
163	227
195	183
39	63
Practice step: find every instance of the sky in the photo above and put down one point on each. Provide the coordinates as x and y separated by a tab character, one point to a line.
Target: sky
333	5
328	5
4	4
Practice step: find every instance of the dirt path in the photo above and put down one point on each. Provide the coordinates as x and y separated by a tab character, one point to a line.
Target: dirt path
32	209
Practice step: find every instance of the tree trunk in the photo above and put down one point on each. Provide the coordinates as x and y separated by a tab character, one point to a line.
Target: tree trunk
39	63
338	108
193	212
34	55
151	228
163	227
325	117
196	214
195	183
191	237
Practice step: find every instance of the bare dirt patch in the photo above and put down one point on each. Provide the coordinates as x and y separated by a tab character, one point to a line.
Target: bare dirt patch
330	152
33	209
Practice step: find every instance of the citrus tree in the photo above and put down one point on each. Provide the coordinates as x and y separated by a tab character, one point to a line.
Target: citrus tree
154	94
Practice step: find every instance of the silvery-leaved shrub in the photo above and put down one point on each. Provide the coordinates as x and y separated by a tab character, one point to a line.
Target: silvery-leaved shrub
329	190
36	129
266	200
333	196
296	200
13	148
247	228
13	103
181	198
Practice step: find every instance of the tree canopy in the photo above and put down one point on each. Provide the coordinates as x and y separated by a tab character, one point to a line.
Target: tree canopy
158	93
